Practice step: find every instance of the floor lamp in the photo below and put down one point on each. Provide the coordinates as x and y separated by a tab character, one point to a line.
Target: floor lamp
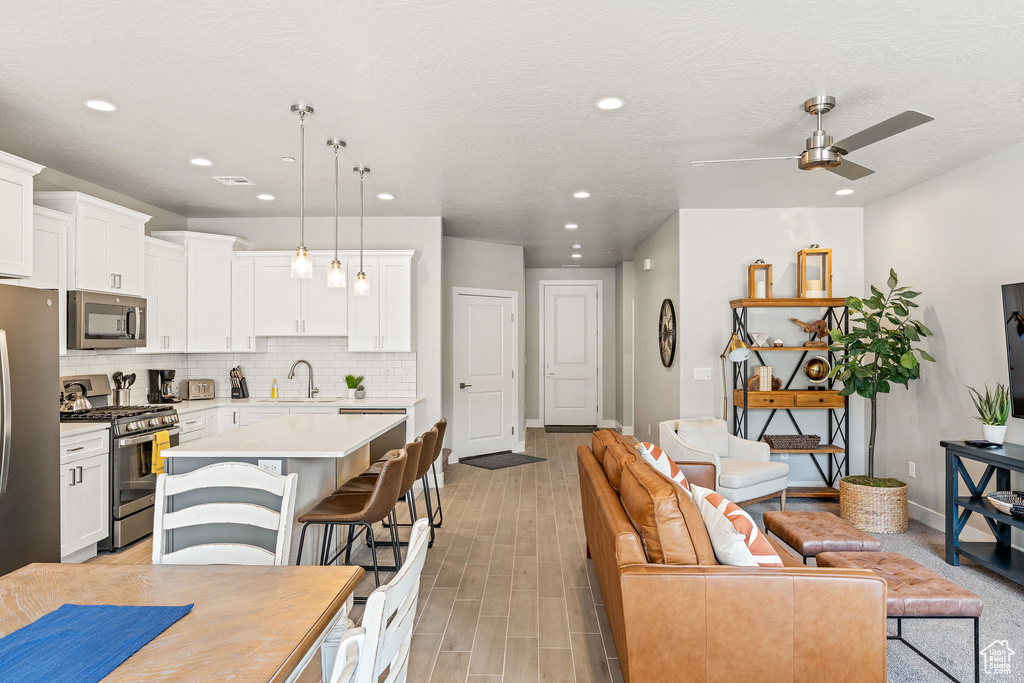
737	352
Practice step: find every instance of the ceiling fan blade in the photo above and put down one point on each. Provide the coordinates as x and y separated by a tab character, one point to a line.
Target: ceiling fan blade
880	131
729	161
850	170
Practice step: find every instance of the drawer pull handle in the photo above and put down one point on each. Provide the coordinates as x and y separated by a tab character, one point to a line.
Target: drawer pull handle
76	448
79	468
72	471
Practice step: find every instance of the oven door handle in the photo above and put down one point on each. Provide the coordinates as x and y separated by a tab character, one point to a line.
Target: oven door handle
145	438
5	413
131	326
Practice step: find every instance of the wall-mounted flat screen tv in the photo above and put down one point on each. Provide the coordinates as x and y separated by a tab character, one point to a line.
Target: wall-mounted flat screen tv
1013	314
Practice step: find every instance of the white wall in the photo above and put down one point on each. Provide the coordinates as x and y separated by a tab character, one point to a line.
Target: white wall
481	265
422	233
624	346
956	238
534	345
716	246
656	394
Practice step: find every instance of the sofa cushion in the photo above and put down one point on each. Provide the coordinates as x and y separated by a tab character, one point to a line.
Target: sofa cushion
737	474
616	455
664	516
659	460
735	537
707	435
600	440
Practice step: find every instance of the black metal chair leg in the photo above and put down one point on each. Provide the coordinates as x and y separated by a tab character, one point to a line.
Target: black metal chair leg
325	544
437	492
373	550
394	541
430	513
348	547
977	653
302	539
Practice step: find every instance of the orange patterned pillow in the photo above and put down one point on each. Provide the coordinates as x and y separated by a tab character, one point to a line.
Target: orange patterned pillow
657	459
761	551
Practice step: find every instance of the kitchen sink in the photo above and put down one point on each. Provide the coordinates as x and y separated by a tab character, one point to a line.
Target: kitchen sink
297	400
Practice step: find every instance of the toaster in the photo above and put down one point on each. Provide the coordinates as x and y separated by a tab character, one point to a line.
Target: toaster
199	389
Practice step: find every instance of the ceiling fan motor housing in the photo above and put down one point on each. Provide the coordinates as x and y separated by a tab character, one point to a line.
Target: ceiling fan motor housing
819	153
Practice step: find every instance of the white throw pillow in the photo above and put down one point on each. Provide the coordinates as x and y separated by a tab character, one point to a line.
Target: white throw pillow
729	544
707	435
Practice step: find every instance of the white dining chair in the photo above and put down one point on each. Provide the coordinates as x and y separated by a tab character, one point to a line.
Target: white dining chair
224	475
382	642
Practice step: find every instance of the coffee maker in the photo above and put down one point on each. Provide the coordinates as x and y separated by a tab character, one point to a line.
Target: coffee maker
162	388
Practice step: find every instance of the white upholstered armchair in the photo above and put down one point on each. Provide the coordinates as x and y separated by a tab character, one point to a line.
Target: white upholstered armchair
746	473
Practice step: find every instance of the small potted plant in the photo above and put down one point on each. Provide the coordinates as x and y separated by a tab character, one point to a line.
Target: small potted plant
361	392
993	411
354	384
879	352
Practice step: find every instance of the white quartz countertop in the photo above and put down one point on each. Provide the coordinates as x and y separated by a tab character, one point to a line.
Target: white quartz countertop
292	436
77	428
192	406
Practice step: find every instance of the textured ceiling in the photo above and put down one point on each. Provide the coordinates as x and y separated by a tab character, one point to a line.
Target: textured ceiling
482	111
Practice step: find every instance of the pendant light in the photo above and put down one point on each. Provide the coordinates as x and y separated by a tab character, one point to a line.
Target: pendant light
302	262
362	284
336	275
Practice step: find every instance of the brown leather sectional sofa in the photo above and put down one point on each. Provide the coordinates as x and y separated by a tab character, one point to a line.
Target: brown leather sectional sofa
707	622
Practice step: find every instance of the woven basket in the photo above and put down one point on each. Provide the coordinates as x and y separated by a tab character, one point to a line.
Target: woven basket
874	509
792	441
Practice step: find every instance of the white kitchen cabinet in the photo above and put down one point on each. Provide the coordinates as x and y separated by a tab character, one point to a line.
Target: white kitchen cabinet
243	321
85	491
166	291
194	426
106	243
208	264
228	419
250	416
381	320
50	262
289	307
16	220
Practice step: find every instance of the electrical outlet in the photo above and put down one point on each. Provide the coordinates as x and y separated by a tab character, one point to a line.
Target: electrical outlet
913	470
702	373
648	430
272	466
387	373
783	456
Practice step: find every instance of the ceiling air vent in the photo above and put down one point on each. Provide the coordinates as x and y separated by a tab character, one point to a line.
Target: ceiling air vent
570	265
233	180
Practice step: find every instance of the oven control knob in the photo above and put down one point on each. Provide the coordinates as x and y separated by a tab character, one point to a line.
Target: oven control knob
129	427
154	422
166	420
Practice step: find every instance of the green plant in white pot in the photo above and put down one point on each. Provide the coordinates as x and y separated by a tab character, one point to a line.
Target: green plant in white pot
993	411
879	351
354	383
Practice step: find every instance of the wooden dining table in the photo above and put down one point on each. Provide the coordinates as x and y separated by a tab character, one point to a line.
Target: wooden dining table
248	623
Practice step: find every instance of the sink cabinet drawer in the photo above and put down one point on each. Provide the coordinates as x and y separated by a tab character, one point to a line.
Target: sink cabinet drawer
74	448
192	422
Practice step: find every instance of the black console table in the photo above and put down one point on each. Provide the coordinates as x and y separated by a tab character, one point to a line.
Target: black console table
997	555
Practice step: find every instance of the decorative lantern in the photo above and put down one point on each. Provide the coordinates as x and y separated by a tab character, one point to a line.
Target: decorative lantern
759	280
814	273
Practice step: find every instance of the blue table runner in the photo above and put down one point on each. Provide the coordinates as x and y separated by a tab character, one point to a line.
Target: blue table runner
81	643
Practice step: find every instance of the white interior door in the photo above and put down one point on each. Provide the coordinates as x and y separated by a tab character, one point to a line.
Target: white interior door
570	355
485	397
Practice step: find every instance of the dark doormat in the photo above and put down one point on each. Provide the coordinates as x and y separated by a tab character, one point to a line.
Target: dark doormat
570	429
499	461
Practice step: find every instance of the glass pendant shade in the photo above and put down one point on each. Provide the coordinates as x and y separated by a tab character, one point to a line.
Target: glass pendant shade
302	264
362	284
336	275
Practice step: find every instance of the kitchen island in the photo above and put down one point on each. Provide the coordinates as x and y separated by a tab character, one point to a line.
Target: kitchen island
324	450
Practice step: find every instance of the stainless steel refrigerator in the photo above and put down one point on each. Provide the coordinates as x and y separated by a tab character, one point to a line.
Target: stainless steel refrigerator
29	427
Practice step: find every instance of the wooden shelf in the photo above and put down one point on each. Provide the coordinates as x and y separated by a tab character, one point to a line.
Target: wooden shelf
790	399
812	492
819	449
788	303
984	507
1001	559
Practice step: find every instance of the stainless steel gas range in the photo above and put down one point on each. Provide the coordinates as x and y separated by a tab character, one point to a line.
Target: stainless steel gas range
133	432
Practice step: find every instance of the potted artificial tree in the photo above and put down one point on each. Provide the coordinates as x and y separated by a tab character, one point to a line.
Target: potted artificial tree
354	383
993	411
879	352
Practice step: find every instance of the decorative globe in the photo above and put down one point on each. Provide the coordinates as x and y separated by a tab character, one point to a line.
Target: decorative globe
817	369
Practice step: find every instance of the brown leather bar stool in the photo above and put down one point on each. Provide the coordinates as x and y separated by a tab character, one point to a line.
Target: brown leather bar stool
359	510
430	442
439	450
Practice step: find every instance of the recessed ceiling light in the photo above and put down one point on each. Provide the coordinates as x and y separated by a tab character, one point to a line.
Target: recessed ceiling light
580	195
201	162
386	196
610	103
577	245
100	105
844	191
571	226
265	197
288	160
577	255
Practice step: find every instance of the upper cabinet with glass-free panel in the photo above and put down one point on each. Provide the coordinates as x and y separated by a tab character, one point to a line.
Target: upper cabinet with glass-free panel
382	319
16	215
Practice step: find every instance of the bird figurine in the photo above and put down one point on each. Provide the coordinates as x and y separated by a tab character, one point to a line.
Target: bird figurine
819	328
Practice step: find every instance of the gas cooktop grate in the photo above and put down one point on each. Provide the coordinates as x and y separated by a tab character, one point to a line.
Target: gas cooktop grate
96	414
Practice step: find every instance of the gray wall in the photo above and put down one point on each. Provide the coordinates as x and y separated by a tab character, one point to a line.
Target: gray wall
482	265
956	238
656	397
534	348
716	247
624	346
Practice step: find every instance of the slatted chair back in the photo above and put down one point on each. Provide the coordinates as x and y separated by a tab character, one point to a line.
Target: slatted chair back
382	642
224	475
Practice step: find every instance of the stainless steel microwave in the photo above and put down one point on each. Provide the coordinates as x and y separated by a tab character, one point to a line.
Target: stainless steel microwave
105	321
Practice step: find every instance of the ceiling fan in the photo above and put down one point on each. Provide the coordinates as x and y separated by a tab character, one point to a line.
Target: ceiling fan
821	152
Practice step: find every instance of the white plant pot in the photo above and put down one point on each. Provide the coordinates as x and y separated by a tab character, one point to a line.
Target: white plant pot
351	393
994	433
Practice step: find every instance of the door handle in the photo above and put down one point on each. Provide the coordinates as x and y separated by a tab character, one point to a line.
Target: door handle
463	385
303	326
113	280
248	342
549	374
5	412
227	342
296	326
72	471
79	468
119	280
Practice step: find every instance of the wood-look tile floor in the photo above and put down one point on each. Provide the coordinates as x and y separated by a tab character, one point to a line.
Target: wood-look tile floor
507	594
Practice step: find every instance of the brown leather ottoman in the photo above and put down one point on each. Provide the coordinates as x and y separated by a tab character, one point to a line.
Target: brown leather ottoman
914	592
811	532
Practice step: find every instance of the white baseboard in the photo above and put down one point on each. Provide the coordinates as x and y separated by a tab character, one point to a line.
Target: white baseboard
937	520
520	447
534	424
609	424
627	430
79	556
